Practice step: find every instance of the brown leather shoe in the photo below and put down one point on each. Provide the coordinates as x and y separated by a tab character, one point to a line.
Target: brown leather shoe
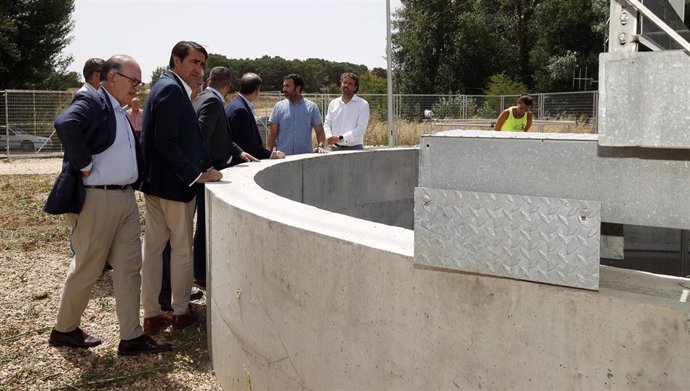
182	321
74	339
142	344
156	324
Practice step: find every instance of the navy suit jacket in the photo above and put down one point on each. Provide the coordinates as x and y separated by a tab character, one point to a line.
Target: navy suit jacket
214	126
174	153
87	127
244	129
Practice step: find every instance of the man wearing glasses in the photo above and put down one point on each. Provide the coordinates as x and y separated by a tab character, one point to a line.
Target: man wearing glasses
102	152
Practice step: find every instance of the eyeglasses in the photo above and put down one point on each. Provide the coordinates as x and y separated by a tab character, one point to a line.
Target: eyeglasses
135	82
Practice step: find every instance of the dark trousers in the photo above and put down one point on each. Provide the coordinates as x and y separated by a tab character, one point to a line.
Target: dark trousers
165	297
200	239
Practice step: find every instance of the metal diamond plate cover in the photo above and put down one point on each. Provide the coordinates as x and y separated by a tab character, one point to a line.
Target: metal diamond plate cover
549	240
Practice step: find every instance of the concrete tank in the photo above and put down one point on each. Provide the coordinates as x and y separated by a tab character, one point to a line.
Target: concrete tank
312	286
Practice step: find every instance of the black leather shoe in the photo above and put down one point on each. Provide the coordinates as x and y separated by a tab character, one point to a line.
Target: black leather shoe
196	295
142	344
74	339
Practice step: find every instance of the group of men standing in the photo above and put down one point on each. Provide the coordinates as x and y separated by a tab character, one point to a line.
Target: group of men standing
179	146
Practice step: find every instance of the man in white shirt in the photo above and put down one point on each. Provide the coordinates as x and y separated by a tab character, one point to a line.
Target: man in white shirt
92	74
347	117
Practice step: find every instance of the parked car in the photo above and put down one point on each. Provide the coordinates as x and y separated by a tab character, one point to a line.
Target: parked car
21	140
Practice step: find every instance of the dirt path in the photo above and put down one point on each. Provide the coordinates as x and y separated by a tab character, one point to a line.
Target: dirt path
30	166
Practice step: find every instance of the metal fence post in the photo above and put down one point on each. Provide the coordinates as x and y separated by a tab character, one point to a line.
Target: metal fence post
7	126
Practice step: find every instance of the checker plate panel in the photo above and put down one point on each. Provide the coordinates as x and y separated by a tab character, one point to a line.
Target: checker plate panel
549	240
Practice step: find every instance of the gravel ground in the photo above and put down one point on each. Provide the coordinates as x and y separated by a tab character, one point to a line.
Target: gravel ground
34	256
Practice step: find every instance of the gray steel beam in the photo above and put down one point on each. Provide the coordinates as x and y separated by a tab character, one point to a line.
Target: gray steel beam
641	99
622	27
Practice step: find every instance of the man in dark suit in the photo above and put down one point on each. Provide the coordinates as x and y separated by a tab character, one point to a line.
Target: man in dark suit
240	116
218	140
102	150
176	164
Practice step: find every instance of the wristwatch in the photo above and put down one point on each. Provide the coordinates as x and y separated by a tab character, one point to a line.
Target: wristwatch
340	137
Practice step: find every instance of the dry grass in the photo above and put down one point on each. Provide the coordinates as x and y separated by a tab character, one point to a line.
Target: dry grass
33	260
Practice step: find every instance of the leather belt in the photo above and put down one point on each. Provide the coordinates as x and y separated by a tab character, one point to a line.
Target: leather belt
107	187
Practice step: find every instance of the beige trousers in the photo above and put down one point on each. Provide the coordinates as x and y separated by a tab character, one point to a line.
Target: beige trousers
106	229
174	221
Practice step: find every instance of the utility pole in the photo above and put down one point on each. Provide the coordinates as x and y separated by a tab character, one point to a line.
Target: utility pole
389	79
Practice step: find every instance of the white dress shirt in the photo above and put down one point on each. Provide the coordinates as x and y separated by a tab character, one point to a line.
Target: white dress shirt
86	87
348	120
117	165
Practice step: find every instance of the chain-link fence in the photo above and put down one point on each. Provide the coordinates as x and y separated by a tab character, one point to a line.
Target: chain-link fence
30	115
26	121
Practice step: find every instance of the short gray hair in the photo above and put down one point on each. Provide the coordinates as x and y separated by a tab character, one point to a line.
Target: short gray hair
219	77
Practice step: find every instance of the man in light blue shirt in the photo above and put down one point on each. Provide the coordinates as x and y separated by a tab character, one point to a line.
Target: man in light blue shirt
292	120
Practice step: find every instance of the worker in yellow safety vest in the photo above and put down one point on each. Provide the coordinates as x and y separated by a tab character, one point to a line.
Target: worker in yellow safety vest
516	118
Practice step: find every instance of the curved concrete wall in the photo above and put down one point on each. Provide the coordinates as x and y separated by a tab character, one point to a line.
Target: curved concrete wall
305	298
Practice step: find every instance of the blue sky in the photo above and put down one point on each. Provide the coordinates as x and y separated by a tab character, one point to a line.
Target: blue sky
337	30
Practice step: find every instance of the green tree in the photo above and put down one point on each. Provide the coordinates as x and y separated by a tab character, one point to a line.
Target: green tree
156	74
574	41
33	33
449	46
422	41
370	83
444	47
515	21
500	84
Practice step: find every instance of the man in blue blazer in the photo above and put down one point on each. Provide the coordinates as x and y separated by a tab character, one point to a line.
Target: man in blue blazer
103	158
240	115
176	164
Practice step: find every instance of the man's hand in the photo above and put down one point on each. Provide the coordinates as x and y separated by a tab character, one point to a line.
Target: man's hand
85	173
320	149
277	154
247	157
333	140
210	175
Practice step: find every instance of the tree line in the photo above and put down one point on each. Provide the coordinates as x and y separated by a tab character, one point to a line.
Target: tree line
449	46
320	76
